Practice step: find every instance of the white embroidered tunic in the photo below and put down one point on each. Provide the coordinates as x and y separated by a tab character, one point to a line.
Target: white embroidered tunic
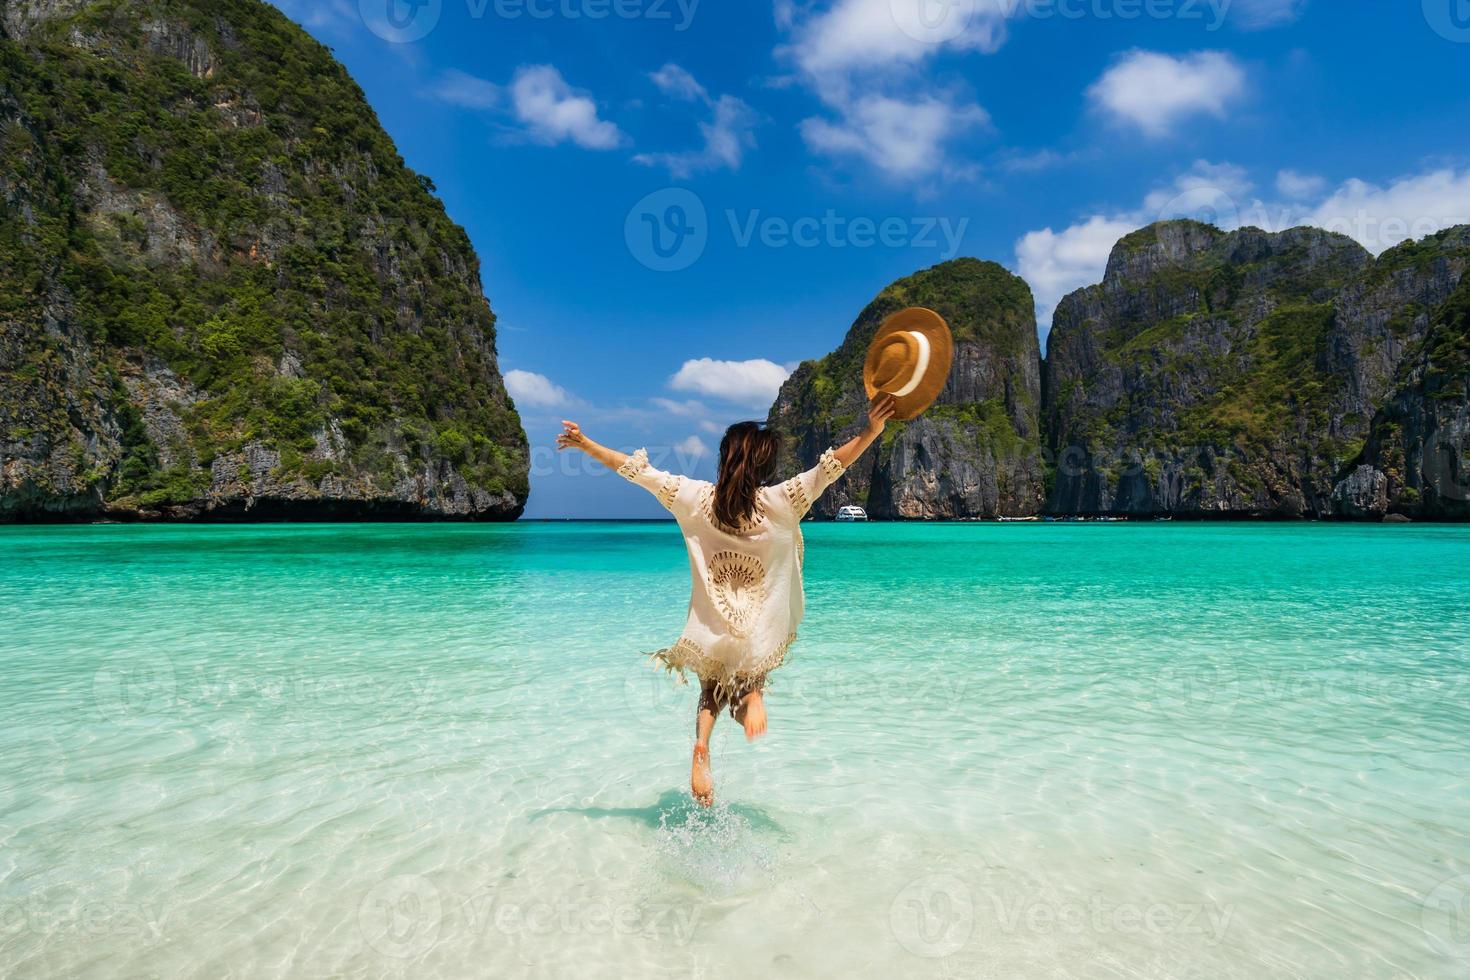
747	599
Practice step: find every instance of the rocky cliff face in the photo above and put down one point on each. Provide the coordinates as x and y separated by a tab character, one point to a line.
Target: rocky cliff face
222	293
1215	374
1208	375
1416	461
977	451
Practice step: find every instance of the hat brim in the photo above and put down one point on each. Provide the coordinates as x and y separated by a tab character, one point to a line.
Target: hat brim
936	373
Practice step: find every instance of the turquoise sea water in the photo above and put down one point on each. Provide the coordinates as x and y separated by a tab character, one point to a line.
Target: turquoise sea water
1201	751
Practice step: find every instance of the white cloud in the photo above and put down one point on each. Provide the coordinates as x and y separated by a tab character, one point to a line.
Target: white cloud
341	15
1156	91
1025	162
726	137
695	411
693	446
1055	263
555	112
863	59
1380	217
851	35
1226	178
753	382
1376	216
902	138
1214	193
727	134
1294	185
536	390
684	409
1257	14
462	89
675	81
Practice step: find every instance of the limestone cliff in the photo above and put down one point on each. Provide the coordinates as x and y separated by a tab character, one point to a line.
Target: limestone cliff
977	451
1417	458
1210	374
222	293
1215	374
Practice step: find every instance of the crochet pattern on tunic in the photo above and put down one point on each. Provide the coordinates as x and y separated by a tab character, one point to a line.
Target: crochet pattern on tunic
746	599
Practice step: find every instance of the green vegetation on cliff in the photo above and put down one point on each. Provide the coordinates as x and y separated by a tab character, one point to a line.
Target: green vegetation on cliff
199	188
982	302
977	450
1280	385
1216	373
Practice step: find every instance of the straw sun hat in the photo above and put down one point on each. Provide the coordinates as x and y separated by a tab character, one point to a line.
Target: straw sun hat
909	359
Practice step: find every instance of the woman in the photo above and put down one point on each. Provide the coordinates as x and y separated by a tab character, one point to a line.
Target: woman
745	553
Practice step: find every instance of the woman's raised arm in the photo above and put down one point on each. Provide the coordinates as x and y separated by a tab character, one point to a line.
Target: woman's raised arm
572	438
878	415
634	467
804	488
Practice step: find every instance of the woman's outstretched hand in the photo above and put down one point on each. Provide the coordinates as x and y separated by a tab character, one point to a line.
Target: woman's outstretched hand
880	412
571	436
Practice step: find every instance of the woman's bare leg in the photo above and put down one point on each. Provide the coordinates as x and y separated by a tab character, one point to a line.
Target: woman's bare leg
701	782
751	713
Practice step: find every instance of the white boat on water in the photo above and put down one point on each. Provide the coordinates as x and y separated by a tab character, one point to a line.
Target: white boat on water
851	513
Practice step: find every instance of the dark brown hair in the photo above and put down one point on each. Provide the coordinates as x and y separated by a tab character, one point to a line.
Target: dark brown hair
747	459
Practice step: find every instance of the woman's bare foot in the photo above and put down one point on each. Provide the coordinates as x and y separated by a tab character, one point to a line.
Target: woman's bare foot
752	714
701	783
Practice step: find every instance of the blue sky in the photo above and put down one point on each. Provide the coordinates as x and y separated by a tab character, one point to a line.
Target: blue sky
675	201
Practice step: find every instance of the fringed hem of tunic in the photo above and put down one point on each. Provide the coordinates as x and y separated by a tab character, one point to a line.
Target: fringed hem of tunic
686	655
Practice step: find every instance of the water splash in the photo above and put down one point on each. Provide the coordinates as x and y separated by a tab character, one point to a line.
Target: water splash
718	849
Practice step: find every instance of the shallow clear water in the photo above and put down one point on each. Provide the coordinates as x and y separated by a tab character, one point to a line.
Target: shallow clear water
998	751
